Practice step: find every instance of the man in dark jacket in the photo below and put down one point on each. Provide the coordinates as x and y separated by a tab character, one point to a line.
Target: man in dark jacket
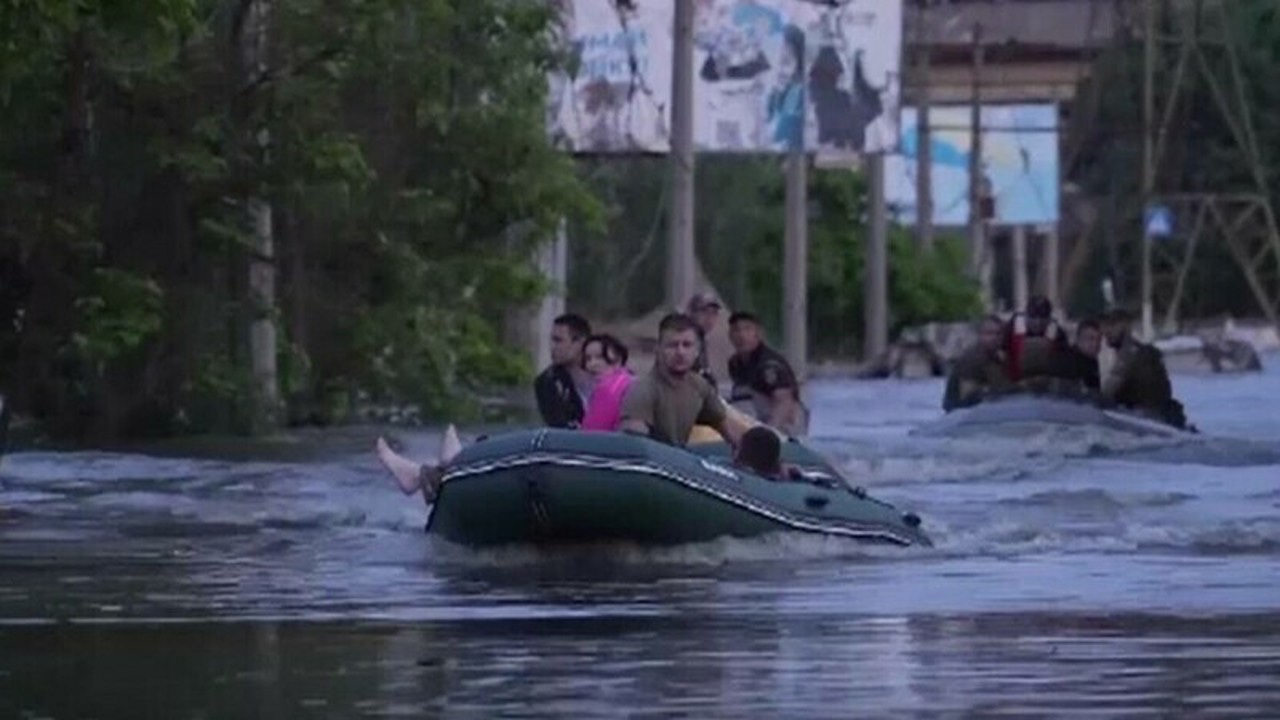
1138	379
562	388
1081	361
763	376
980	371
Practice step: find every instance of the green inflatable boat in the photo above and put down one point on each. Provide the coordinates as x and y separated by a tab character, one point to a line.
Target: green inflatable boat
558	486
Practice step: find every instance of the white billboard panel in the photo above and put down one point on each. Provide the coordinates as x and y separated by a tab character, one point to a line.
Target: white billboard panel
1019	160
616	96
768	75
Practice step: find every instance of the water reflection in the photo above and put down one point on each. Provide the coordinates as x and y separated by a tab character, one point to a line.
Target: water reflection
821	666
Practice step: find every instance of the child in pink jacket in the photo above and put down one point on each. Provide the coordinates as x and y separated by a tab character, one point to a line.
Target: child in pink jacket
605	357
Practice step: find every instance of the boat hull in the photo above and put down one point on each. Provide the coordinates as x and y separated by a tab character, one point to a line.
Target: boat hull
1026	409
553	487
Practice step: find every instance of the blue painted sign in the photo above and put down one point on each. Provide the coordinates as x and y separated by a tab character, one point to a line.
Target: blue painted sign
1159	221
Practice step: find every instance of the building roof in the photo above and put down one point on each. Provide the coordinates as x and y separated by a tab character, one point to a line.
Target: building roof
1073	25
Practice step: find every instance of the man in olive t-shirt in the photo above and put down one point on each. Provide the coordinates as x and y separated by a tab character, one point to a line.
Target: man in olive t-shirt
673	397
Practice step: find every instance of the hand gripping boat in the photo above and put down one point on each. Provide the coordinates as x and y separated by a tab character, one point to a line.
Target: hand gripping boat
558	486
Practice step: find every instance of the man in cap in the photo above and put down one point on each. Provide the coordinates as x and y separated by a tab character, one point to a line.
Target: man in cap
763	377
1035	345
704	308
1138	379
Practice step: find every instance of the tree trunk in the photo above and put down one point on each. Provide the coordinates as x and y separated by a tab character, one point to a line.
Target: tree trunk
265	390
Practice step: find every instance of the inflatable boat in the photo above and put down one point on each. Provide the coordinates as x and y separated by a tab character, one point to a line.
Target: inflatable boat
1021	409
552	486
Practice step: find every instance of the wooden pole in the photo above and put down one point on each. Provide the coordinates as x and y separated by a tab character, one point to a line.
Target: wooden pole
1148	157
978	250
795	263
924	135
1020	290
681	256
876	284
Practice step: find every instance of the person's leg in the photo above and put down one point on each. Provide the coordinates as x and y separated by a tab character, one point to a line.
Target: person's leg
408	474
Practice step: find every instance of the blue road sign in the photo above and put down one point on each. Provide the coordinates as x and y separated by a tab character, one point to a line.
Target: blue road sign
1159	221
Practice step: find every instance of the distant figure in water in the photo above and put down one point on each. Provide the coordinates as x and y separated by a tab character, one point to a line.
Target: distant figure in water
1138	379
605	358
980	371
413	477
1081	363
1035	345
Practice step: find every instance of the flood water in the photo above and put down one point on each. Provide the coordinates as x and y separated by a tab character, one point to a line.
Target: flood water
1076	574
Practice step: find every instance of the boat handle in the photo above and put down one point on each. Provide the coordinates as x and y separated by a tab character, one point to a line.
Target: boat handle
816	501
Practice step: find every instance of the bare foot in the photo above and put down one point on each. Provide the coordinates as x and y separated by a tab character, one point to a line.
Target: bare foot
408	474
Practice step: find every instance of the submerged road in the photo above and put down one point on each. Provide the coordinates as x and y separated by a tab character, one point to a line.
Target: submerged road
1077	571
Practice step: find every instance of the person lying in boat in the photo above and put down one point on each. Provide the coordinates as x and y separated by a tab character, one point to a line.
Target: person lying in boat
605	358
1034	345
763	376
1138	379
760	452
980	370
561	389
413	477
667	402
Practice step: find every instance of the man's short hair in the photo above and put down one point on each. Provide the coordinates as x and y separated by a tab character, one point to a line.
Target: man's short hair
1039	307
1088	323
577	325
744	316
761	451
678	322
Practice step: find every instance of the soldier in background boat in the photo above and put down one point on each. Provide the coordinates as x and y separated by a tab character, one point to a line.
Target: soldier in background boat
1081	364
704	308
1035	346
562	389
1138	379
980	370
667	402
762	376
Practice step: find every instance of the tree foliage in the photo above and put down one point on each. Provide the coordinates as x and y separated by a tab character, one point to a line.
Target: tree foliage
739	228
398	143
1201	153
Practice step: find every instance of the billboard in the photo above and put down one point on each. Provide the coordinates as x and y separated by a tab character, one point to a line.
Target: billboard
767	71
615	95
768	75
1019	159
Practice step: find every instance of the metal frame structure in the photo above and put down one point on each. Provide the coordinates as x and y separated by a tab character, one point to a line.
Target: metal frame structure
1242	219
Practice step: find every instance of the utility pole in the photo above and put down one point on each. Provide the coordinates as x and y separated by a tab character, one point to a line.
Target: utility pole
1050	265
978	250
876	282
1020	290
1148	157
795	263
924	133
681	257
